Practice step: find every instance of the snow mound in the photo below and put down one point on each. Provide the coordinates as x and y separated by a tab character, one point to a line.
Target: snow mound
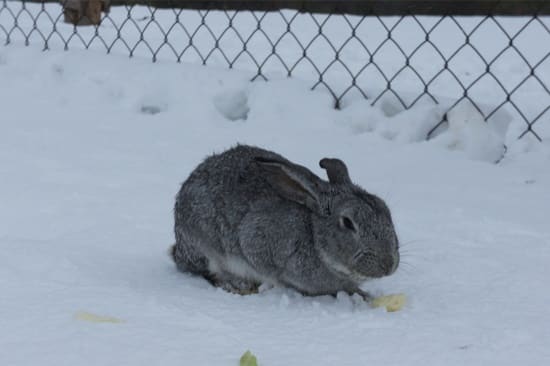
233	104
465	131
468	132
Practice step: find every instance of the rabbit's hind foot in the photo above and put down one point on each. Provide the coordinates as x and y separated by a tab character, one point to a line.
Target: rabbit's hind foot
233	284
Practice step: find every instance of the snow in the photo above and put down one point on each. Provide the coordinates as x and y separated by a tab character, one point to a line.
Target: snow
93	149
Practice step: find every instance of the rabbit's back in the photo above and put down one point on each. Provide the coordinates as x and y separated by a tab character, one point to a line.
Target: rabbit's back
219	193
226	181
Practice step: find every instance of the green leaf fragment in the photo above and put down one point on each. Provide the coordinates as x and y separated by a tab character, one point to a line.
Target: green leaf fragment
248	359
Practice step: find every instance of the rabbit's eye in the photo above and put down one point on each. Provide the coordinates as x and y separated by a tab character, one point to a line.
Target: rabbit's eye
347	223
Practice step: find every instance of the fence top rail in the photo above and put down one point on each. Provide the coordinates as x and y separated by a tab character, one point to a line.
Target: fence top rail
354	7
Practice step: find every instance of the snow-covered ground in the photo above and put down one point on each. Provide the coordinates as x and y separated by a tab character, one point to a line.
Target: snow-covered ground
93	148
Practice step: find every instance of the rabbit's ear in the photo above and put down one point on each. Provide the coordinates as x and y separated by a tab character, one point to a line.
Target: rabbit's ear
337	170
292	181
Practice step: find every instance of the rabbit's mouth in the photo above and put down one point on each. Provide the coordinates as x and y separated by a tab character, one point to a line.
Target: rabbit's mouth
341	270
376	264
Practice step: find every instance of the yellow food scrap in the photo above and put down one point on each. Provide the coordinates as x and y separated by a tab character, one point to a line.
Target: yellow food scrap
94	318
390	302
248	359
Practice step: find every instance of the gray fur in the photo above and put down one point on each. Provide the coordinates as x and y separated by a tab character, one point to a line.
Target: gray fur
249	216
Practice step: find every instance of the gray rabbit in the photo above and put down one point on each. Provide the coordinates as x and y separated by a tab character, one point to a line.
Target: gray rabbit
249	216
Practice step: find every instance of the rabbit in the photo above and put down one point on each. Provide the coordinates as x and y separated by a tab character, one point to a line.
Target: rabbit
248	216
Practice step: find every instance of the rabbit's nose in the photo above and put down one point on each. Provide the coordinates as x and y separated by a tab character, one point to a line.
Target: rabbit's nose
389	264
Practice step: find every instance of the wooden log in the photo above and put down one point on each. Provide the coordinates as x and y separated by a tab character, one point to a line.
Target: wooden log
84	12
93	11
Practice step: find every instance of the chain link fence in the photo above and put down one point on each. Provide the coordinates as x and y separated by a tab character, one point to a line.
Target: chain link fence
497	64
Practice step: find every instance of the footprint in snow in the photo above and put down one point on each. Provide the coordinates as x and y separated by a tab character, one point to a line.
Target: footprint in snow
150	109
232	104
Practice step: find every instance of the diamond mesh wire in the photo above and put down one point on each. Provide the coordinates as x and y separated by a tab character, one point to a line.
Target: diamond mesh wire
498	65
